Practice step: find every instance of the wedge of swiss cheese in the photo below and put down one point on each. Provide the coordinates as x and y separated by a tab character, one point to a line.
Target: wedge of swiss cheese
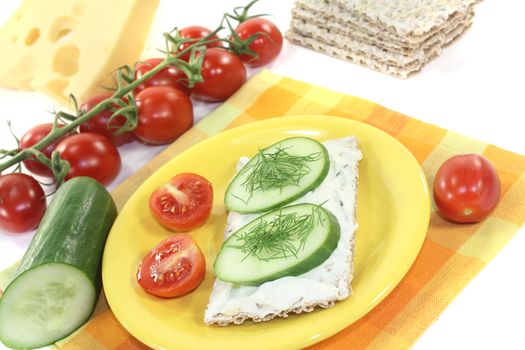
72	47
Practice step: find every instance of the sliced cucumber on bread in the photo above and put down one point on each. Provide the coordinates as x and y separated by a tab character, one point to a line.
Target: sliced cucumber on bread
285	242
278	175
58	281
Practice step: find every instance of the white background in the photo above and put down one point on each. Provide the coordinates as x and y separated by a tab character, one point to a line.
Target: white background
475	87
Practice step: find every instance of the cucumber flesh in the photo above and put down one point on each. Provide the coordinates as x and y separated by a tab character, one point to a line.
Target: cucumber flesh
59	277
44	304
235	263
242	197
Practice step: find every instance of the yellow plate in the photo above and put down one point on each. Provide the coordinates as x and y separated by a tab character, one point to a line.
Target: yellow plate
393	215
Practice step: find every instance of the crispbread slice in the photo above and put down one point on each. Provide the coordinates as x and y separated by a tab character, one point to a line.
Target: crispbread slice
319	287
328	24
405	18
391	68
335	16
392	57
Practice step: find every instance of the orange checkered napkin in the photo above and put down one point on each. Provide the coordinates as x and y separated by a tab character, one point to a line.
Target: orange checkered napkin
451	255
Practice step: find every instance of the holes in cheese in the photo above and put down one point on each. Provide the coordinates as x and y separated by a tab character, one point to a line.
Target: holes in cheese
32	36
61	29
58	47
65	61
57	86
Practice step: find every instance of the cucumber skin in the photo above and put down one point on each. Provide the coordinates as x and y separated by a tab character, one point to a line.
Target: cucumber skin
288	200
74	229
312	261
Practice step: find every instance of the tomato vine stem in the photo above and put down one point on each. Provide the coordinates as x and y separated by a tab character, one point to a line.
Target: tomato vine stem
122	96
121	92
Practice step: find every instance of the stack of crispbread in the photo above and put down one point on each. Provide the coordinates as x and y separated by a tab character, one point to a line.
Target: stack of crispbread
397	37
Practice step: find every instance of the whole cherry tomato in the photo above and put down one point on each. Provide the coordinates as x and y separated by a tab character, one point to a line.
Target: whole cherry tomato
22	203
169	76
223	74
466	188
196	32
100	123
30	138
267	45
165	113
90	154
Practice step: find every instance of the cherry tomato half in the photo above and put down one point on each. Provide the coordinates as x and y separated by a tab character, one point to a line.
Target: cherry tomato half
184	203
267	45
33	136
165	113
100	123
466	188
169	76
223	74
196	32
90	154
22	203
173	268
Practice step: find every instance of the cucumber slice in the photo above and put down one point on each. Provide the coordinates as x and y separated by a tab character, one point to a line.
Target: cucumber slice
59	277
45	303
285	242
278	175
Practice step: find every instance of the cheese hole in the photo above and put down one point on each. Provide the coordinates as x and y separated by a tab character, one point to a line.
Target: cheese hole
57	86
63	35
32	36
61	29
65	61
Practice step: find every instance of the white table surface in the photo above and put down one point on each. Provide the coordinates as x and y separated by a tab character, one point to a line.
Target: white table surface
475	87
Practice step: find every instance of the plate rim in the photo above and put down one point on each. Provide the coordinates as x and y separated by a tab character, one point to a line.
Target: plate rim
268	123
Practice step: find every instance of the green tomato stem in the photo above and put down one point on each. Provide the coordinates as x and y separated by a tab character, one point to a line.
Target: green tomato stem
56	133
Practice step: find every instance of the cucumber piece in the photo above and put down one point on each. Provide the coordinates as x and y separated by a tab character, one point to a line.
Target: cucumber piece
278	175
285	242
44	304
58	281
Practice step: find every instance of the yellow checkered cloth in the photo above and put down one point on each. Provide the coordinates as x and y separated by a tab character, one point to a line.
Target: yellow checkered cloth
451	255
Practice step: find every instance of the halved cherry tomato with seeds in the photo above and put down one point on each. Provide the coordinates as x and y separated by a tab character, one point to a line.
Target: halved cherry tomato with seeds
182	204
173	268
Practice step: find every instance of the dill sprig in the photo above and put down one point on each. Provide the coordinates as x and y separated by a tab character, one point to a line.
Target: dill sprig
281	238
277	170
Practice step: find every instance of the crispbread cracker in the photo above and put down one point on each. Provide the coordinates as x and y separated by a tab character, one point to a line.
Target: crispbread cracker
375	52
331	280
406	18
397	37
331	13
364	60
385	40
241	317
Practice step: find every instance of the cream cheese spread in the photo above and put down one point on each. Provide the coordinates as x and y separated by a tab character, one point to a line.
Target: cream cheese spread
322	285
